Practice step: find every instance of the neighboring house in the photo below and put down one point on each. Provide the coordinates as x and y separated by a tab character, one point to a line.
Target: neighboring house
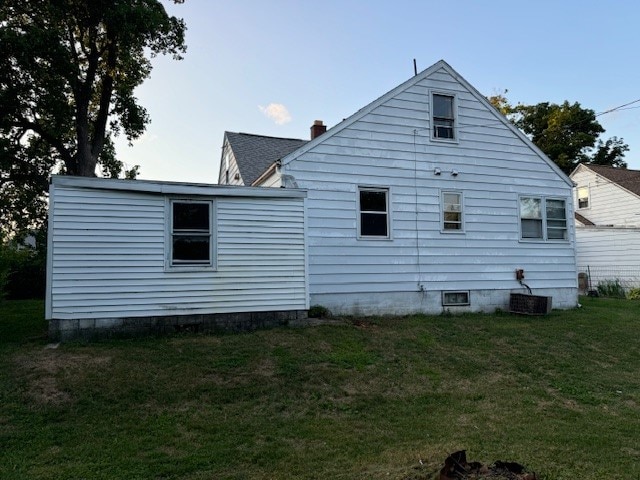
607	220
246	157
142	256
427	199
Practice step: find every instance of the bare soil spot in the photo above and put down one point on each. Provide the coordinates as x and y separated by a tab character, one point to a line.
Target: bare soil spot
42	370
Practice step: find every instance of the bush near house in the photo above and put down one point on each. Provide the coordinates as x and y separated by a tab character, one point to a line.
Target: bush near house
22	272
611	288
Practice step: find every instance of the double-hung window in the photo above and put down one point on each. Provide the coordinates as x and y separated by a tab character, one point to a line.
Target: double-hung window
543	218
583	197
443	116
373	204
452	220
191	234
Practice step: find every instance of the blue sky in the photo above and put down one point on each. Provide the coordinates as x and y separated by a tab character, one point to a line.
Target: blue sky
272	68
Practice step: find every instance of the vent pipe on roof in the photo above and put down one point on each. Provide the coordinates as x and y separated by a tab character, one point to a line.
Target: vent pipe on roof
317	129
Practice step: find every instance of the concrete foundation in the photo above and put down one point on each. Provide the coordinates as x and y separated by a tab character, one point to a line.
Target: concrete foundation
87	329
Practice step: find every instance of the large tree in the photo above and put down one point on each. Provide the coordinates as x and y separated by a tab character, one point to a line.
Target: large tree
567	133
68	73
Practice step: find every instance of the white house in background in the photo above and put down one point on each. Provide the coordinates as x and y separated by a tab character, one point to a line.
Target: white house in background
427	199
607	204
140	256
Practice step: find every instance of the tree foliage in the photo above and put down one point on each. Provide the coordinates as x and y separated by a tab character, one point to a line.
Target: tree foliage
68	73
567	133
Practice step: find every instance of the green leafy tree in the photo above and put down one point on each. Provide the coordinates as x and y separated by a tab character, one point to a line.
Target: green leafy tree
610	153
68	72
567	133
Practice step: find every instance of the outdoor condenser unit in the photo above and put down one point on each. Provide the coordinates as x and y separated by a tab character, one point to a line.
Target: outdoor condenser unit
529	304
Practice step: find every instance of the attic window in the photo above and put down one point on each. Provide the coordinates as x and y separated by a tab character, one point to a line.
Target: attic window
443	116
583	197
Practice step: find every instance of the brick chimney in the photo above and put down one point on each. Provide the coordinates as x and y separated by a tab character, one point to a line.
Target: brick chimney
317	129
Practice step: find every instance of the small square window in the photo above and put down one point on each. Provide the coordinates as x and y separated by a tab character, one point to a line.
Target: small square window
450	299
374	212
583	197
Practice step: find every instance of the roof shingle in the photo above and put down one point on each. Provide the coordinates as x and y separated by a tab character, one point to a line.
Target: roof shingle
254	154
629	179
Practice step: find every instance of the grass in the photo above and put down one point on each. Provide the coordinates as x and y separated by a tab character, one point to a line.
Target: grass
380	398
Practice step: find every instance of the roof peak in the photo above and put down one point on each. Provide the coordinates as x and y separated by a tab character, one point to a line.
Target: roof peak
265	136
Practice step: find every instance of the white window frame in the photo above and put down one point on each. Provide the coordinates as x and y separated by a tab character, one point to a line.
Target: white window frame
455	129
211	234
544	220
578	197
387	192
443	212
446	303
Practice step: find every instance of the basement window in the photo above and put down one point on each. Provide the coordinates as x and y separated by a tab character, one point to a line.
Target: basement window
191	241
453	299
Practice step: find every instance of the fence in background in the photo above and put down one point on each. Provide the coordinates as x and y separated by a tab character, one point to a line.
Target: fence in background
590	277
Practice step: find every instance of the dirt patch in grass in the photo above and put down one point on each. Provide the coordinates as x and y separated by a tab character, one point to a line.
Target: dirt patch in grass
41	370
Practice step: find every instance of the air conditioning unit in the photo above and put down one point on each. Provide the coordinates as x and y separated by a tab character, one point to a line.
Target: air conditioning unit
529	304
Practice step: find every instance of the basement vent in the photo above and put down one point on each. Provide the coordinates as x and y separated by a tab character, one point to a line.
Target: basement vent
452	299
529	304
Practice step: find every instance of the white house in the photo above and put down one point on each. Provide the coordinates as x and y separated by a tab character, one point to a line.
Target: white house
139	256
427	199
607	204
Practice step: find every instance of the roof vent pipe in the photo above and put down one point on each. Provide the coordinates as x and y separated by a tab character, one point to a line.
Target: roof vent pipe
317	129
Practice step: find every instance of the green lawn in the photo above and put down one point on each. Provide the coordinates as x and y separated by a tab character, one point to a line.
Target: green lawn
380	398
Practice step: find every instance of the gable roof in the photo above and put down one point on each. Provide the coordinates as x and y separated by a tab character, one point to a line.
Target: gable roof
627	179
440	65
255	153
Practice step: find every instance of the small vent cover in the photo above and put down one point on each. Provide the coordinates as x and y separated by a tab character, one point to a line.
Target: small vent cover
529	304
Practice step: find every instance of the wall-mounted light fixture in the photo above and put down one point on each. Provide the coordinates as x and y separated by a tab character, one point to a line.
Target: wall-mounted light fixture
454	173
437	171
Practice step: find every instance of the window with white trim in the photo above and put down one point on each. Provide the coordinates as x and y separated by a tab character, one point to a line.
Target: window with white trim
373	205
443	116
191	233
452	219
583	197
543	218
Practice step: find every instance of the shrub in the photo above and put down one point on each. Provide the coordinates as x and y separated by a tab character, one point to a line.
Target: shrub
611	288
318	311
634	294
22	272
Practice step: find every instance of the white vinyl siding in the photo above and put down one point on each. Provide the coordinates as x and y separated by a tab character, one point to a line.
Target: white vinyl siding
389	145
609	203
611	253
108	252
